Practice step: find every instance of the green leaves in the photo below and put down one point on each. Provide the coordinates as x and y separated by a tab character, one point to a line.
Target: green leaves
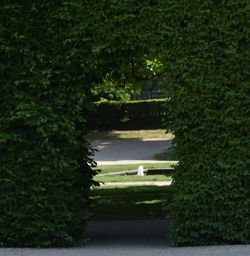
53	52
45	172
139	114
209	109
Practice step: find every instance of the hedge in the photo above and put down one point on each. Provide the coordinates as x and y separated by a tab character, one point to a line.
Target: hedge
52	51
208	56
137	114
45	172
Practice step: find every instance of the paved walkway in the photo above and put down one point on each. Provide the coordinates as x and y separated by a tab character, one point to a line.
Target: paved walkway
133	251
128	151
118	162
131	238
137	183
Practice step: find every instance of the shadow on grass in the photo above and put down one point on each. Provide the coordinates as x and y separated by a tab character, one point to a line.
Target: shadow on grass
134	202
129	134
168	155
102	135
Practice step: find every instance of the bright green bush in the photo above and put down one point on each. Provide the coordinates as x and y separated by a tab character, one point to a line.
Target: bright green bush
208	57
45	172
137	114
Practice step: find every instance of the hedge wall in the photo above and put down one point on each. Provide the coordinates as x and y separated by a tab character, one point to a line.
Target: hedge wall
208	58
52	51
138	114
45	170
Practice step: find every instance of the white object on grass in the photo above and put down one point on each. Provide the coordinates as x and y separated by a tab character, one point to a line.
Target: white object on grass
140	171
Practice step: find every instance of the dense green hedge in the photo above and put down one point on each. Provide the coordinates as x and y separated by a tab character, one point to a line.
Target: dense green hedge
52	51
208	58
137	114
44	172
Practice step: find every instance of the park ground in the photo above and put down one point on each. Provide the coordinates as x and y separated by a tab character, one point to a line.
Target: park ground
130	197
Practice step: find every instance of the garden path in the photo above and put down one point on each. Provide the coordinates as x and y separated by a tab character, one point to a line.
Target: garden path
129	151
130	238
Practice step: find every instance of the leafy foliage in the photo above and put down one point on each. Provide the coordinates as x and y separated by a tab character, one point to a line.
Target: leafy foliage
110	90
45	170
52	52
123	43
130	84
208	62
139	114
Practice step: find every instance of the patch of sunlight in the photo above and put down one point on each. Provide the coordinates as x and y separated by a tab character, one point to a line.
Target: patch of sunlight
149	202
95	197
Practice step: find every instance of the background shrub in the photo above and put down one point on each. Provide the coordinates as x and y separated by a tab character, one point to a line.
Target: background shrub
208	63
137	114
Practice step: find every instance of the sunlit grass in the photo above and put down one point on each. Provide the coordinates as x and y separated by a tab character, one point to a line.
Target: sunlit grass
168	155
133	134
128	167
131	178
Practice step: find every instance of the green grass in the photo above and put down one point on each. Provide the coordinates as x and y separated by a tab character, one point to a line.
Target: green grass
168	155
132	202
137	202
133	134
129	167
130	178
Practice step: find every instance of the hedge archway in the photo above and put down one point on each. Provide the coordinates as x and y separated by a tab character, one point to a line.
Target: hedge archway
53	51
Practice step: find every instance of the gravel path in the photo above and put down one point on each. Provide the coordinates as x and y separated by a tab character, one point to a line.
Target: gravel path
138	183
236	250
131	238
128	151
243	250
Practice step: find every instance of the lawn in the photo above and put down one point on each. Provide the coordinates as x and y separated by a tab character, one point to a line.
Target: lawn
168	155
129	178
129	167
133	134
133	202
130	202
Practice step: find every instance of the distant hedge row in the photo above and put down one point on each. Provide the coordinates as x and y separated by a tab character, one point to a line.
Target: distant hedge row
139	114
